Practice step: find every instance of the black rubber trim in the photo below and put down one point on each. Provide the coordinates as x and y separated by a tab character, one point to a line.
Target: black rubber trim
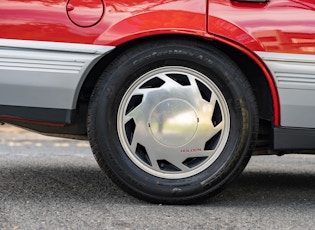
252	1
33	114
294	139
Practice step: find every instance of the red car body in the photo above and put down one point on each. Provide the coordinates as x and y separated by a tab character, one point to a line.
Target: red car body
271	42
245	25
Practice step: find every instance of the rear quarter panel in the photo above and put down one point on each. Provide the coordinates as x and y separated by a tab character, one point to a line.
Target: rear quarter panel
283	26
282	34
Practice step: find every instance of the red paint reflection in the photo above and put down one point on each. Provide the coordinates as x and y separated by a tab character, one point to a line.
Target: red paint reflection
47	20
280	26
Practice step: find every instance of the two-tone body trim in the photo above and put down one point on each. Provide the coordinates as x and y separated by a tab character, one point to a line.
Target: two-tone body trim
294	75
44	74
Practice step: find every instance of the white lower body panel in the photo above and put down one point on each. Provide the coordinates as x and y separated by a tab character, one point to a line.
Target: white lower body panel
294	75
44	74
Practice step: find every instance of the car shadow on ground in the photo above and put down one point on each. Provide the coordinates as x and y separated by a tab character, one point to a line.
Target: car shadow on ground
89	184
260	188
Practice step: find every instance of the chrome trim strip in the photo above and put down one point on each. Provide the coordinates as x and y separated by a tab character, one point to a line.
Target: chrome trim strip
54	46
294	75
44	74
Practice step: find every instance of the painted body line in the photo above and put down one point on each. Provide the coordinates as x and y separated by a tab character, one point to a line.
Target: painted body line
44	74
294	75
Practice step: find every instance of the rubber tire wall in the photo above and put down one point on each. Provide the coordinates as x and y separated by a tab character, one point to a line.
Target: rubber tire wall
123	71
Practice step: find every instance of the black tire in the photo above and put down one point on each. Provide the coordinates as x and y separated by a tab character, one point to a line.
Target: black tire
147	170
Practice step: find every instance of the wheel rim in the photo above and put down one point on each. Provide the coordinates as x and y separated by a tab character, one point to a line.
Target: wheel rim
173	122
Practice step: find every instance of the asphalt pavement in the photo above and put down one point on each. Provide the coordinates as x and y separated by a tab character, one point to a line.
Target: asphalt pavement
54	183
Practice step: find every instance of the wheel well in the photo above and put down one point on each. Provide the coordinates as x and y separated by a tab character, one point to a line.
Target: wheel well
256	78
249	67
261	90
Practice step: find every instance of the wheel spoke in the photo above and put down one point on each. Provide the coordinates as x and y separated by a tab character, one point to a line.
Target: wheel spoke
179	164
218	127
174	122
135	140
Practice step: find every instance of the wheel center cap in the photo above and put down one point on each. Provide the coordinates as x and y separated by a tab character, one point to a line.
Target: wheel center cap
173	122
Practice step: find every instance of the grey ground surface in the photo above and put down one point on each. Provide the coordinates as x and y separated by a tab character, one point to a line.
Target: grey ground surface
51	183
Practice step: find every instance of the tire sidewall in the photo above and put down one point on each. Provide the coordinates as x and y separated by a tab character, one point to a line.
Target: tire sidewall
106	100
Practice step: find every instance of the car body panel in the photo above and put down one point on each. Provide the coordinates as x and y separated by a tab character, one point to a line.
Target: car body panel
41	21
44	74
66	23
295	79
283	26
122	20
275	30
268	41
137	19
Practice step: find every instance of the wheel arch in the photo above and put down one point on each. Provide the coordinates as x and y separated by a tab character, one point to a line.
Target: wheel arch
138	87
260	79
257	79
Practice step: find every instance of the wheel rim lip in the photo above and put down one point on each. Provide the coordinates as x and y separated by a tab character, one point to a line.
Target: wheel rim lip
124	140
